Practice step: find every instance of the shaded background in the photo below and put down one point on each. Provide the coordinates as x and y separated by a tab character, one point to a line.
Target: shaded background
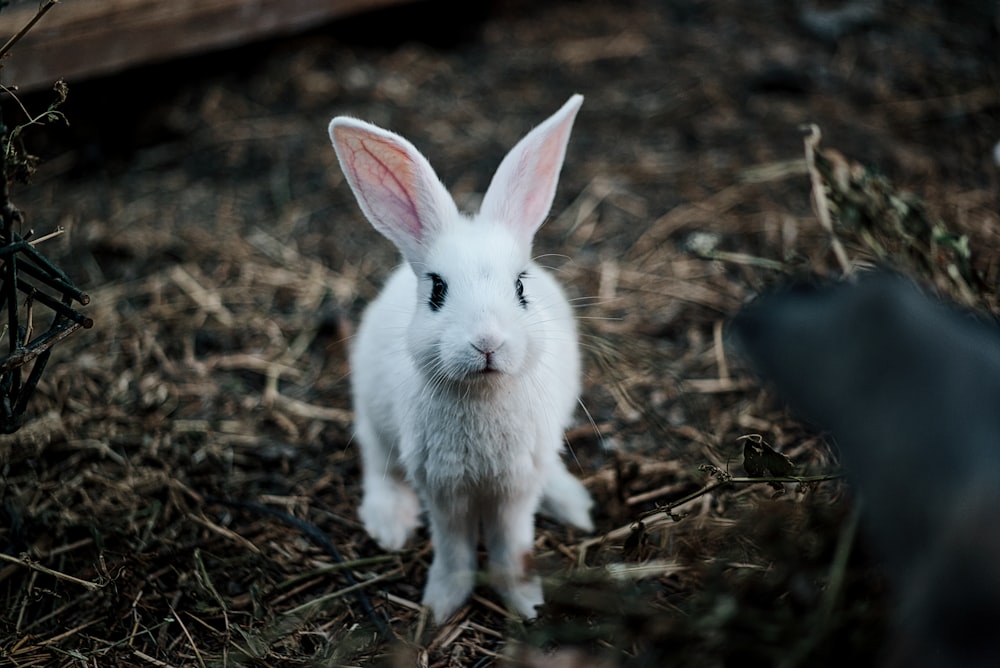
226	258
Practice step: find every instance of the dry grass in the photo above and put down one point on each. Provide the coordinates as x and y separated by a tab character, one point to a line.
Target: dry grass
128	546
166	506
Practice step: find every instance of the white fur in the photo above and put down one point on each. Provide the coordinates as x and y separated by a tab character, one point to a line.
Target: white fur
480	451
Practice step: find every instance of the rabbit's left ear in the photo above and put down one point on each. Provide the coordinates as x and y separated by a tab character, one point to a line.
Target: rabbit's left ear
521	192
394	184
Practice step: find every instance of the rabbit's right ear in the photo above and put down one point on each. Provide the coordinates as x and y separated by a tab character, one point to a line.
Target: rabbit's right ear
394	184
521	192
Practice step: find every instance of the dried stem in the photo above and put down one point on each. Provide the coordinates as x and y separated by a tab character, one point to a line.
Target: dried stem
724	480
42	11
28	563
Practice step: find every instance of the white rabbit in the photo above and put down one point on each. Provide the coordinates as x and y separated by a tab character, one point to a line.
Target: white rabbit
466	368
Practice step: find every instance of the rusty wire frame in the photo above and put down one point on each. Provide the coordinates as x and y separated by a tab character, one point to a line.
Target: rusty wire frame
25	270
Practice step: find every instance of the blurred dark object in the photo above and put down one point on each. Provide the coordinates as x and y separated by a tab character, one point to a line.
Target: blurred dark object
909	387
831	23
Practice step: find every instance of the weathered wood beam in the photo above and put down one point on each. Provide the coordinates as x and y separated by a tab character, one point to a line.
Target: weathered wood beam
79	39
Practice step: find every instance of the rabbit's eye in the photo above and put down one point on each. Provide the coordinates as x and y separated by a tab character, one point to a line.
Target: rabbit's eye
519	289
438	291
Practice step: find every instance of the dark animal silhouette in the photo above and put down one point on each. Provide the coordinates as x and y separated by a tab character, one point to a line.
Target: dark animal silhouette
909	388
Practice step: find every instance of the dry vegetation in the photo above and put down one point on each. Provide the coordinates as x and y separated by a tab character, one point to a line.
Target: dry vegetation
168	501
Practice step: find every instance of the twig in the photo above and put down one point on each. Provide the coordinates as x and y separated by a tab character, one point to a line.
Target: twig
22	609
28	563
295	580
145	657
206	580
654	493
251	362
207	300
340	593
66	634
726	480
303	409
648	569
745	259
55	614
716	385
223	531
788	479
59	231
720	351
187	634
42	11
819	197
723	480
453	629
666	510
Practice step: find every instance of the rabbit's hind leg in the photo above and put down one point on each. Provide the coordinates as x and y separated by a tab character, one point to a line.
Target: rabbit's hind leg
566	499
390	509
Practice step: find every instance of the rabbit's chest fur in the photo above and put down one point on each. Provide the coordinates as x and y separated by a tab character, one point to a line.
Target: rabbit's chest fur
471	439
495	445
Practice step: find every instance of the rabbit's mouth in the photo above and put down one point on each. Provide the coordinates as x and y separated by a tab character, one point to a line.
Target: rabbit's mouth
487	366
487	352
489	371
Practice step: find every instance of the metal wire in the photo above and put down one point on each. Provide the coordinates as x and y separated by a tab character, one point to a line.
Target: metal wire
49	287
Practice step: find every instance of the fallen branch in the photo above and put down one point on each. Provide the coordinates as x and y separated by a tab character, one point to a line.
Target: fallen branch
42	11
27	562
724	479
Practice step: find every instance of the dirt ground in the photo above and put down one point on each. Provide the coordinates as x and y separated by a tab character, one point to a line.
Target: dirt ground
147	502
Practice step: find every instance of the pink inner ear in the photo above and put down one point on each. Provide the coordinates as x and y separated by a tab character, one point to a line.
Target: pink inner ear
384	179
547	166
521	192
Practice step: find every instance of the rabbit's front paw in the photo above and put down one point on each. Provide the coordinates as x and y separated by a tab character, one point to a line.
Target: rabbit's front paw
446	591
390	512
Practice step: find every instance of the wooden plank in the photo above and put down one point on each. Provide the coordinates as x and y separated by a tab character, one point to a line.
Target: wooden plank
78	39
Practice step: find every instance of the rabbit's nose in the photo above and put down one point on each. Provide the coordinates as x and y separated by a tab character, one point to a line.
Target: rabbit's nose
488	344
488	347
